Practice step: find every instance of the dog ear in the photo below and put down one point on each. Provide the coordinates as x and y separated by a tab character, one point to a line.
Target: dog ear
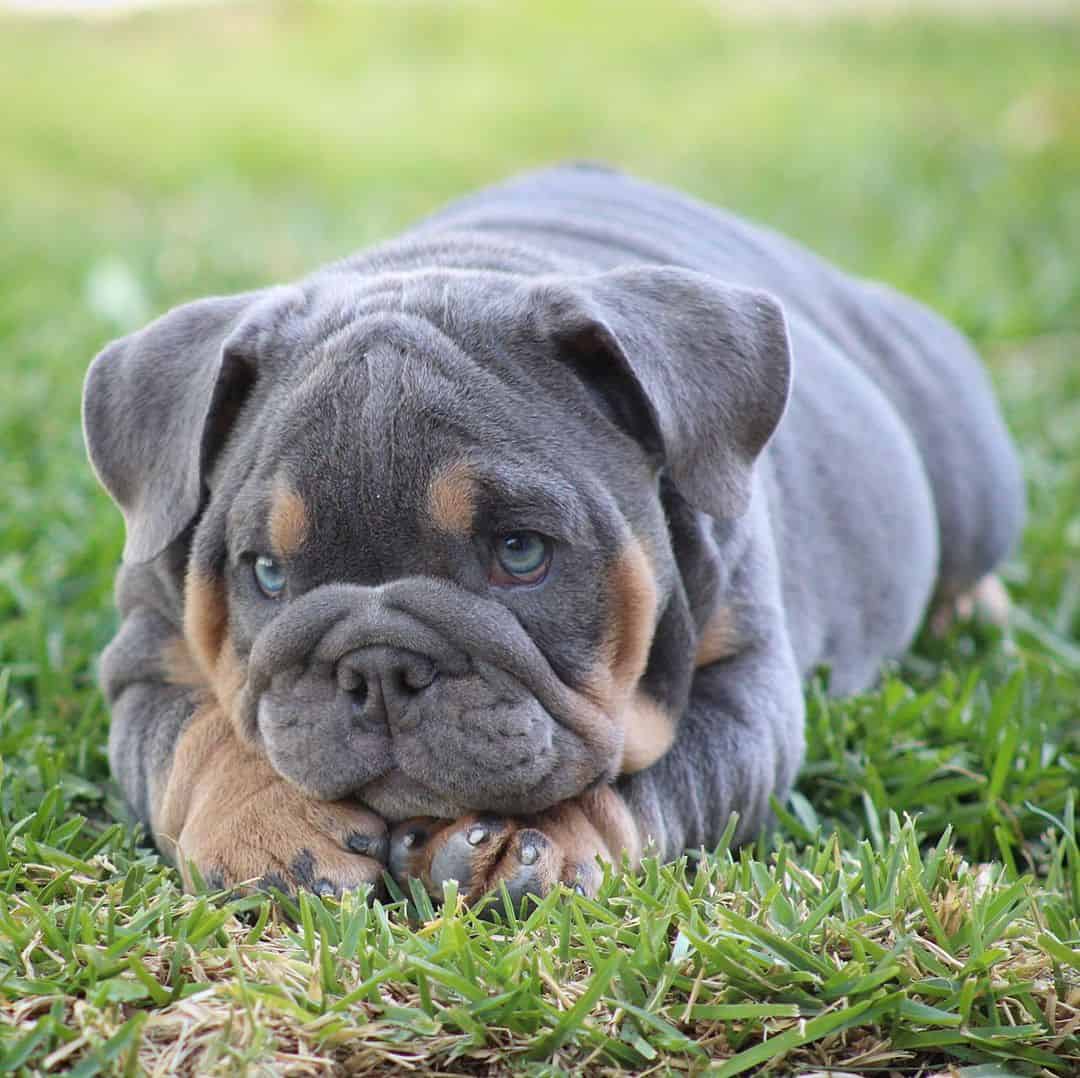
157	407
697	371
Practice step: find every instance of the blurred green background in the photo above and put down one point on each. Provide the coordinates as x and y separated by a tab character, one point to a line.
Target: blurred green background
152	158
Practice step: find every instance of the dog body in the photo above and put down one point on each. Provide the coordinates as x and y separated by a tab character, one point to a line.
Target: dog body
521	533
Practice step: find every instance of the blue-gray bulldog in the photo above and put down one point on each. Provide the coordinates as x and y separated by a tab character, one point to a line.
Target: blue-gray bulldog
505	546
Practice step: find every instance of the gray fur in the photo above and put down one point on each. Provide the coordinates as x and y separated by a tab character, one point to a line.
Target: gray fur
613	360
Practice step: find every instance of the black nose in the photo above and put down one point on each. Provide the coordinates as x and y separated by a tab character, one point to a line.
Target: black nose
382	682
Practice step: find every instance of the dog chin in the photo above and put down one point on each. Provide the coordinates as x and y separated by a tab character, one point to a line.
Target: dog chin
396	797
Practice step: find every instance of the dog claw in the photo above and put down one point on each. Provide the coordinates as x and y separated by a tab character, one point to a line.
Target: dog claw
485	854
375	847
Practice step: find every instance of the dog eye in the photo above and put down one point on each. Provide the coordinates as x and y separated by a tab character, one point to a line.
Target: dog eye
270	576
520	558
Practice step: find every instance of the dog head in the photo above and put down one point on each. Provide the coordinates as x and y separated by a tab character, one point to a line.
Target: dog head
427	554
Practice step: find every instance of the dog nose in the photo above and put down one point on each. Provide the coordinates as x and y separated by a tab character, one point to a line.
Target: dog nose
383	681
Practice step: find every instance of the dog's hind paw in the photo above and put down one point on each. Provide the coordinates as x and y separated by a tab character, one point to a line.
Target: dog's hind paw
987	602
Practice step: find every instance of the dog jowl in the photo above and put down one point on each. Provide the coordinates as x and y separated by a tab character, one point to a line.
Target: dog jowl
514	537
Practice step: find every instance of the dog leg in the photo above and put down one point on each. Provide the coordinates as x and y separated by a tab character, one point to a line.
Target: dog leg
208	799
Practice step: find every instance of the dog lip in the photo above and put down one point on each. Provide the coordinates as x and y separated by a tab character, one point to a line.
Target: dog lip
466	636
482	794
336	764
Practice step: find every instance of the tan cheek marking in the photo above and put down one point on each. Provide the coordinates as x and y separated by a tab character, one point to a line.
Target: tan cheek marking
179	665
650	730
206	627
206	616
624	655
625	648
720	637
452	499
634	590
289	521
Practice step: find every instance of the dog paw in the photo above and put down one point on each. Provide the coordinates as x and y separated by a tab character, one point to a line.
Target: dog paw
281	838
531	856
986	602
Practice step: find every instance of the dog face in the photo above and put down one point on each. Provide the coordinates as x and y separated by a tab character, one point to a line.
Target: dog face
426	552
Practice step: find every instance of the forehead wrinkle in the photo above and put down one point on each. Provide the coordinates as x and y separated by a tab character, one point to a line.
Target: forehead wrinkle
377	426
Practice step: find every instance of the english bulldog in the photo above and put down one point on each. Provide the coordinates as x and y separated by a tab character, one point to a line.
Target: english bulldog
504	548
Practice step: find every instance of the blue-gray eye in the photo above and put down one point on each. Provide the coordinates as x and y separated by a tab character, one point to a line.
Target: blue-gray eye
270	576
521	558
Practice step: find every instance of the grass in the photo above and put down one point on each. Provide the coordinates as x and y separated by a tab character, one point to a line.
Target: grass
919	908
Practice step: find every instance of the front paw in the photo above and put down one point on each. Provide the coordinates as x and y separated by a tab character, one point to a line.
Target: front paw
279	837
227	816
529	855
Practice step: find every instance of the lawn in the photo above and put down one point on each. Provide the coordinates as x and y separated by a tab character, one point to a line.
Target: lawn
919	908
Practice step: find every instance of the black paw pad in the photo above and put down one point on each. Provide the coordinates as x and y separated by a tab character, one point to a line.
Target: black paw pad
302	869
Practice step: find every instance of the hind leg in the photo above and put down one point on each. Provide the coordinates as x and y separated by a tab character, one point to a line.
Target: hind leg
938	383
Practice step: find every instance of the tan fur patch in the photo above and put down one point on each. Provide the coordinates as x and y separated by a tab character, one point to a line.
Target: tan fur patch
201	751
452	499
206	617
179	665
634	622
610	816
649	732
224	807
290	524
612	687
720	638
575	840
206	627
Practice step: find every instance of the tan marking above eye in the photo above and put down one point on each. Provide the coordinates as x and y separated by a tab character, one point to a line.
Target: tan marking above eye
451	498
289	520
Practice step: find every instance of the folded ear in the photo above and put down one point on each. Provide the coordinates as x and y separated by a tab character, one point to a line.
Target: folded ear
157	406
698	371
